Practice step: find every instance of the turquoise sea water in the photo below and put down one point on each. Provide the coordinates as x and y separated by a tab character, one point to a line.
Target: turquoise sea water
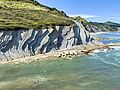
98	71
113	36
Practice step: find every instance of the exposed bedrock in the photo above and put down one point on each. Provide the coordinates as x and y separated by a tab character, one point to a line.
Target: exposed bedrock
20	43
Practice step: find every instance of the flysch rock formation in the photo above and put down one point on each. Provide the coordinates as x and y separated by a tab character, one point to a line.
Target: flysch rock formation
16	44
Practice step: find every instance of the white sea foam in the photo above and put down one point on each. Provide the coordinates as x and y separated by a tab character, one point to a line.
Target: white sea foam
98	33
105	50
117	60
110	63
115	47
100	50
23	80
105	57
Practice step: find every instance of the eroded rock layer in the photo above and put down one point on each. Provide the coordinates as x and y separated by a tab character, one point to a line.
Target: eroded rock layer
21	43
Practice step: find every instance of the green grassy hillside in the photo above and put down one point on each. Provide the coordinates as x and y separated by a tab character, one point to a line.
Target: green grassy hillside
29	14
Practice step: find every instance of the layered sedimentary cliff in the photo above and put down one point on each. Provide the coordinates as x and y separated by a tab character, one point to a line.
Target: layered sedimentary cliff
21	36
21	43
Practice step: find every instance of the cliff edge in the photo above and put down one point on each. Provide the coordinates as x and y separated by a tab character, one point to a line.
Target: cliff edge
28	28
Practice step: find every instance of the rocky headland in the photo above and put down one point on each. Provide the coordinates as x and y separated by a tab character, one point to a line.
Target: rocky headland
28	34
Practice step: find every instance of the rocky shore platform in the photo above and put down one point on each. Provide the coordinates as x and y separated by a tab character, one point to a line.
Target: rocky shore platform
66	53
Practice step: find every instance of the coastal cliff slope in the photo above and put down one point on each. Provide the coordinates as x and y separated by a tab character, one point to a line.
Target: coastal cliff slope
103	27
28	28
99	27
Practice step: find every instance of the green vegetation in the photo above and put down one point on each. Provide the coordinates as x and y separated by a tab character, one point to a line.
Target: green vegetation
80	19
112	24
29	14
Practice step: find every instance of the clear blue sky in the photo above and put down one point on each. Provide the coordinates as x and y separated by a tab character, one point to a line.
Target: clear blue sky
92	10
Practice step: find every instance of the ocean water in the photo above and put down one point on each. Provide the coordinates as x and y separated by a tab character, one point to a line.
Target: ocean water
98	71
113	36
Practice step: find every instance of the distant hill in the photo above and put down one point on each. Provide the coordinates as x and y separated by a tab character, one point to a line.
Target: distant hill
103	27
99	27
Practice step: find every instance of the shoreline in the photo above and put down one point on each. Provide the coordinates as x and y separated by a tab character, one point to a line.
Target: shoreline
68	53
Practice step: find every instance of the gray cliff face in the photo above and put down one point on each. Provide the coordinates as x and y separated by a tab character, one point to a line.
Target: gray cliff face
20	43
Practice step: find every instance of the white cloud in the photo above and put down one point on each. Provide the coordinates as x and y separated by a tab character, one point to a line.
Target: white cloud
86	16
113	18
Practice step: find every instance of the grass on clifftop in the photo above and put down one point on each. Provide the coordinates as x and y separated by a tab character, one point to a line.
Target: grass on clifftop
29	14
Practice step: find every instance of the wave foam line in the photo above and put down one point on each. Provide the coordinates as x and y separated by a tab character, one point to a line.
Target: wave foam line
110	63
